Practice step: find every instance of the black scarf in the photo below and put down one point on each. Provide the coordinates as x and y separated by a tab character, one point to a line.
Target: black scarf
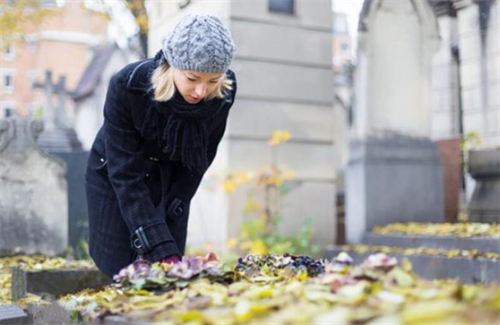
186	133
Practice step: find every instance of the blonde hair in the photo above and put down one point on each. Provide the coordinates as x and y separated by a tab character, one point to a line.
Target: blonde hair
164	87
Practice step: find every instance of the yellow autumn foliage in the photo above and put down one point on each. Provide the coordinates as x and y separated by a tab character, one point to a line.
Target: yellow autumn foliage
461	229
278	137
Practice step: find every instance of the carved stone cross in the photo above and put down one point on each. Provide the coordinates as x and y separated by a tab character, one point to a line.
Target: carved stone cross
54	115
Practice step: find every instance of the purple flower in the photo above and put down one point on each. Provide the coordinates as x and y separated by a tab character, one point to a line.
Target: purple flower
142	272
380	261
195	263
181	270
136	270
212	269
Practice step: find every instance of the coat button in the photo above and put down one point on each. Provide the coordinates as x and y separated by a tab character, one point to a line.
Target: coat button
178	211
165	149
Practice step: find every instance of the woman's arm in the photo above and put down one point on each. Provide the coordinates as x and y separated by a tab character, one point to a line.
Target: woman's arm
151	236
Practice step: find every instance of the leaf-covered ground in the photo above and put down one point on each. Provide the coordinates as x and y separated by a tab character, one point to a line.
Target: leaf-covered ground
272	290
287	290
466	229
422	251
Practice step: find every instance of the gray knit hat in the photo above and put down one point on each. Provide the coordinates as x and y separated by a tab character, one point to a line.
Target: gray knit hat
201	43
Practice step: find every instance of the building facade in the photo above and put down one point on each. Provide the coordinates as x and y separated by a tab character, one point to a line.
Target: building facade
63	43
466	71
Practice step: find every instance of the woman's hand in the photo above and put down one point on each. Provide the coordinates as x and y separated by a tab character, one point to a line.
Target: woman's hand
173	259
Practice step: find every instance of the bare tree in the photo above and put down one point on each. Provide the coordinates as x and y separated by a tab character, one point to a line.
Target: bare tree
138	10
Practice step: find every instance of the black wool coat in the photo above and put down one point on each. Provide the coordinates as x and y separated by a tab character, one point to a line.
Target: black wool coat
138	199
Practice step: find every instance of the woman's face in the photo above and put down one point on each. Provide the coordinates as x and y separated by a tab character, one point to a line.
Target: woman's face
195	86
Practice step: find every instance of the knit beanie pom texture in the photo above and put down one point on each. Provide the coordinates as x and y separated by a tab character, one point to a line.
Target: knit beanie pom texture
199	42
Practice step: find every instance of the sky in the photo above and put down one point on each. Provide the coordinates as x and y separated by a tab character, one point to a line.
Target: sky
352	9
120	28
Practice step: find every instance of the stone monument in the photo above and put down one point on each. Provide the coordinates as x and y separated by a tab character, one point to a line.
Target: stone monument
394	172
33	192
57	135
60	140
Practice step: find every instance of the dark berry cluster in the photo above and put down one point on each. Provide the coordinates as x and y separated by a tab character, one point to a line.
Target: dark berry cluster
313	266
253	265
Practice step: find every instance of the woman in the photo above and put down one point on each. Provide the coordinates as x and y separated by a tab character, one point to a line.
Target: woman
163	120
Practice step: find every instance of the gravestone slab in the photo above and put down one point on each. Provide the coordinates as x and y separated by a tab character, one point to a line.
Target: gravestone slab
12	314
55	282
392	178
33	200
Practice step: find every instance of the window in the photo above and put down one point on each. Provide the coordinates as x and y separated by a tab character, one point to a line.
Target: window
8	52
7	109
8	82
282	6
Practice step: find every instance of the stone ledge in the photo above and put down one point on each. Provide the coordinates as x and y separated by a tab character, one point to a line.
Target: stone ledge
13	315
55	282
467	270
51	314
482	244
